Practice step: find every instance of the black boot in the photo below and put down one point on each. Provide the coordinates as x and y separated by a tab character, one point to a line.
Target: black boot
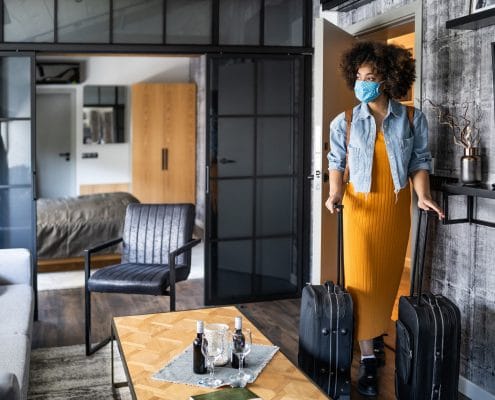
379	350
367	380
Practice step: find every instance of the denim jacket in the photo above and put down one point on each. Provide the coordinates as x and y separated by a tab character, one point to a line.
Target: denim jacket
407	149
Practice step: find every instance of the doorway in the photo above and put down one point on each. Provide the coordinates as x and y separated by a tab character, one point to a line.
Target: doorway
54	147
400	26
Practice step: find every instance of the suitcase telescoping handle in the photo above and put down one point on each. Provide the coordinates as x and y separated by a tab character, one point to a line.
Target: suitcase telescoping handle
340	245
419	259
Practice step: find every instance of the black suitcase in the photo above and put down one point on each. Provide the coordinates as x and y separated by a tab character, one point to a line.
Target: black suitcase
326	331
428	338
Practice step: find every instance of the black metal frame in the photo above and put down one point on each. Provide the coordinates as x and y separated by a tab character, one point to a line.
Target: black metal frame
90	349
343	5
473	21
471	192
303	186
164	47
32	185
117	385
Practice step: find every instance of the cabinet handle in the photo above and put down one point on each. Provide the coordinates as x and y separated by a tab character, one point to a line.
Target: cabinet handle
164	159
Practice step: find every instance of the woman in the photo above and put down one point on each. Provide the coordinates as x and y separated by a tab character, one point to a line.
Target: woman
386	151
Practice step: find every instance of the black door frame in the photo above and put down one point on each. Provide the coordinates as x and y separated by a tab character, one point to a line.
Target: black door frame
304	185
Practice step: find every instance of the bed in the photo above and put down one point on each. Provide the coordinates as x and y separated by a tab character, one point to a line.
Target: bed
67	226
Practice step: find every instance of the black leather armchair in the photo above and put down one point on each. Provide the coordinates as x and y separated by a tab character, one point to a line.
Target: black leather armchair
156	245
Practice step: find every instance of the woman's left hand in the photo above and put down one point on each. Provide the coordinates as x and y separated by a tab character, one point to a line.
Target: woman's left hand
427	204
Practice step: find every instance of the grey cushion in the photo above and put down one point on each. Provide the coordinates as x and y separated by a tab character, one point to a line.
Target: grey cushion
15	351
16	310
9	386
15	266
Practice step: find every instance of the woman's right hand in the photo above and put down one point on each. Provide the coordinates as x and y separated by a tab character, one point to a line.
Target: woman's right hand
336	190
332	201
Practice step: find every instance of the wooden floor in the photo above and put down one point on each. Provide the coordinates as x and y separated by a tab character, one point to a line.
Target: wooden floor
61	321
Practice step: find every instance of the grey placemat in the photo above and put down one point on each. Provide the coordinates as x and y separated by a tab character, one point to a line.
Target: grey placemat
179	370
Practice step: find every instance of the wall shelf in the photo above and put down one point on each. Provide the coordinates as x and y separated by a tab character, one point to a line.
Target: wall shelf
473	21
343	5
450	187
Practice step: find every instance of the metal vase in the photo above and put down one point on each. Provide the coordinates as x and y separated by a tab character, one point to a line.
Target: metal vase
471	166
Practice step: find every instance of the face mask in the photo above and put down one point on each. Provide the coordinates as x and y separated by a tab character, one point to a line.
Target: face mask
367	91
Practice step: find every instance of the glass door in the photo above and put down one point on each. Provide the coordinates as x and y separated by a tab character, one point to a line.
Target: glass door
17	194
254	178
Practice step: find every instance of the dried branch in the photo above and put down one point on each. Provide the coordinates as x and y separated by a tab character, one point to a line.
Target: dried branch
464	126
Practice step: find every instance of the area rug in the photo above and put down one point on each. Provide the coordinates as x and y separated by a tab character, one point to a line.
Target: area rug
65	373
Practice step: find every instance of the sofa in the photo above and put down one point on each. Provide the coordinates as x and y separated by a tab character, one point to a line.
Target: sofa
16	322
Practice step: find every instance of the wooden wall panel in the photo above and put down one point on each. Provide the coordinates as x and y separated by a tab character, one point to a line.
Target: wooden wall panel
164	142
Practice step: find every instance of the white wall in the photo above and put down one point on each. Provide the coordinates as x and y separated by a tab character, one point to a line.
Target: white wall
113	164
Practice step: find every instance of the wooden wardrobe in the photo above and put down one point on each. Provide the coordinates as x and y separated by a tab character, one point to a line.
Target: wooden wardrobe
164	142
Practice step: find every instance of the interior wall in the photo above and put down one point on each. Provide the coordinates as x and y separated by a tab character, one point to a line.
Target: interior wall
198	75
457	66
113	164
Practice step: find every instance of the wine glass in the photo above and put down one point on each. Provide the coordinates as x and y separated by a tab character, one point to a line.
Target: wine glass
241	345
212	345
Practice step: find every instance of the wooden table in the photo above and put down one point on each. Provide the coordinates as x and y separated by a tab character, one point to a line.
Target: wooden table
148	342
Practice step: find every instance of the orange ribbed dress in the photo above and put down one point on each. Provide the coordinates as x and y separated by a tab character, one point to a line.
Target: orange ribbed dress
376	232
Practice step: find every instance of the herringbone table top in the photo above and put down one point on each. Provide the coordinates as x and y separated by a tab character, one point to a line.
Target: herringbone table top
148	342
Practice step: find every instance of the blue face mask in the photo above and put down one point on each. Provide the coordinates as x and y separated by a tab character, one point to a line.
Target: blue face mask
366	91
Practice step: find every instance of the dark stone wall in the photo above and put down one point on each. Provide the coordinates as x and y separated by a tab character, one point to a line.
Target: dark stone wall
457	66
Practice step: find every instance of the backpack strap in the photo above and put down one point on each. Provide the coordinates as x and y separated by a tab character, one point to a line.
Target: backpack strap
410	116
348	120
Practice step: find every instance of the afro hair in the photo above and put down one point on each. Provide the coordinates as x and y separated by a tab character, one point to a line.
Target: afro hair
394	63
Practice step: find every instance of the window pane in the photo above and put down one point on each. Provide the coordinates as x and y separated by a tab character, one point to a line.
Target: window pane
28	20
274	133
274	206
233	274
240	22
284	22
15	87
138	21
121	94
236	87
275	263
90	94
84	21
15	153
235	154
16	218
188	21
107	95
234	195
276	94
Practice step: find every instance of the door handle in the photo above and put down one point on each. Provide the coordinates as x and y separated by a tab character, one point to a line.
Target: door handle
226	161
164	159
66	155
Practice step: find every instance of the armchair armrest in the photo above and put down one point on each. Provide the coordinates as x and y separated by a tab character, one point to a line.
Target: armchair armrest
95	249
15	266
173	255
102	246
